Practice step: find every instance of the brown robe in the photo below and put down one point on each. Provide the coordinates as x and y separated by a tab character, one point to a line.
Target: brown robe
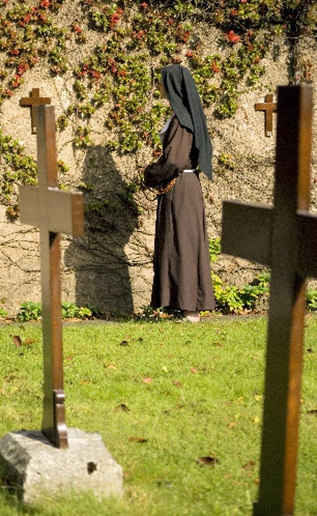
181	255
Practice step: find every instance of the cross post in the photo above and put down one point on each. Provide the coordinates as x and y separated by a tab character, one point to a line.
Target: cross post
268	107
33	101
284	238
53	212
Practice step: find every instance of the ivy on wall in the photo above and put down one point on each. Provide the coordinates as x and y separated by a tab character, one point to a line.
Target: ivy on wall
121	73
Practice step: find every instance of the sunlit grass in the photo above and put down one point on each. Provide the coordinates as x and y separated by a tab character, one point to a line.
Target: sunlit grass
188	391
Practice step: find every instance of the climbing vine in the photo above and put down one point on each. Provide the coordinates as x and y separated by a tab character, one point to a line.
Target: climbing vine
121	72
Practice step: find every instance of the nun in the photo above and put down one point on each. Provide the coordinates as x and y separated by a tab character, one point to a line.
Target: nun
182	276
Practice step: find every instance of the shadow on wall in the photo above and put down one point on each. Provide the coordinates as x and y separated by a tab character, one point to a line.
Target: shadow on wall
98	259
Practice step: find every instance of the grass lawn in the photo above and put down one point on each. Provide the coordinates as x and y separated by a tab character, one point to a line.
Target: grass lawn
187	391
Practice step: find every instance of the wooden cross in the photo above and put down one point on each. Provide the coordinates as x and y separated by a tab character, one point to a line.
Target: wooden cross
285	238
53	212
268	107
33	101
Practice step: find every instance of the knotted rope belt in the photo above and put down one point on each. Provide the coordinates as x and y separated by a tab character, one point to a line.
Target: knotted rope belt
170	184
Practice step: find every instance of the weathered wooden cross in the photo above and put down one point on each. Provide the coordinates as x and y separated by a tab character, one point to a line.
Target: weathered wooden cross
33	101
285	238
268	107
53	212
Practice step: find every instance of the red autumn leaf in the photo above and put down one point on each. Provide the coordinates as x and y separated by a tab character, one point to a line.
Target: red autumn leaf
177	384
17	341
249	465
28	342
232	37
193	370
147	380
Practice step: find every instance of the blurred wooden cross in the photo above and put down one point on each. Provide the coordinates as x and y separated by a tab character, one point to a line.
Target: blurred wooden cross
285	238
53	212
33	101
268	107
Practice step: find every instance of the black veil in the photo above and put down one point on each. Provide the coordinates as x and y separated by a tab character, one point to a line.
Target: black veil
184	98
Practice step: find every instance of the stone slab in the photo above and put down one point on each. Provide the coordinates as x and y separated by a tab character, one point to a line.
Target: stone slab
35	468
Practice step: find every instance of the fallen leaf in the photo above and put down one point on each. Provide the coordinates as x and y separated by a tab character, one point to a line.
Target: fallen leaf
137	440
70	357
193	370
111	366
249	465
28	342
177	384
122	407
127	337
164	368
17	341
217	344
207	461
256	419
232	423
147	380
258	397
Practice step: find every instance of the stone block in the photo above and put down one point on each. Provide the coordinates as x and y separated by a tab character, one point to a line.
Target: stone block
35	468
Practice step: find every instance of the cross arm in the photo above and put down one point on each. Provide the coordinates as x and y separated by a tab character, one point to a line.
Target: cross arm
246	231
64	209
29	102
265	106
307	229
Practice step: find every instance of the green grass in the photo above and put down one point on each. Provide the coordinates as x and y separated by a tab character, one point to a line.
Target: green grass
204	400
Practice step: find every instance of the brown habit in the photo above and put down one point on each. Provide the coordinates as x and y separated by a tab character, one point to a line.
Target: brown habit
181	255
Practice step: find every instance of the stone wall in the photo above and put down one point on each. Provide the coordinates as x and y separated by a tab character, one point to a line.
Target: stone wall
111	266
